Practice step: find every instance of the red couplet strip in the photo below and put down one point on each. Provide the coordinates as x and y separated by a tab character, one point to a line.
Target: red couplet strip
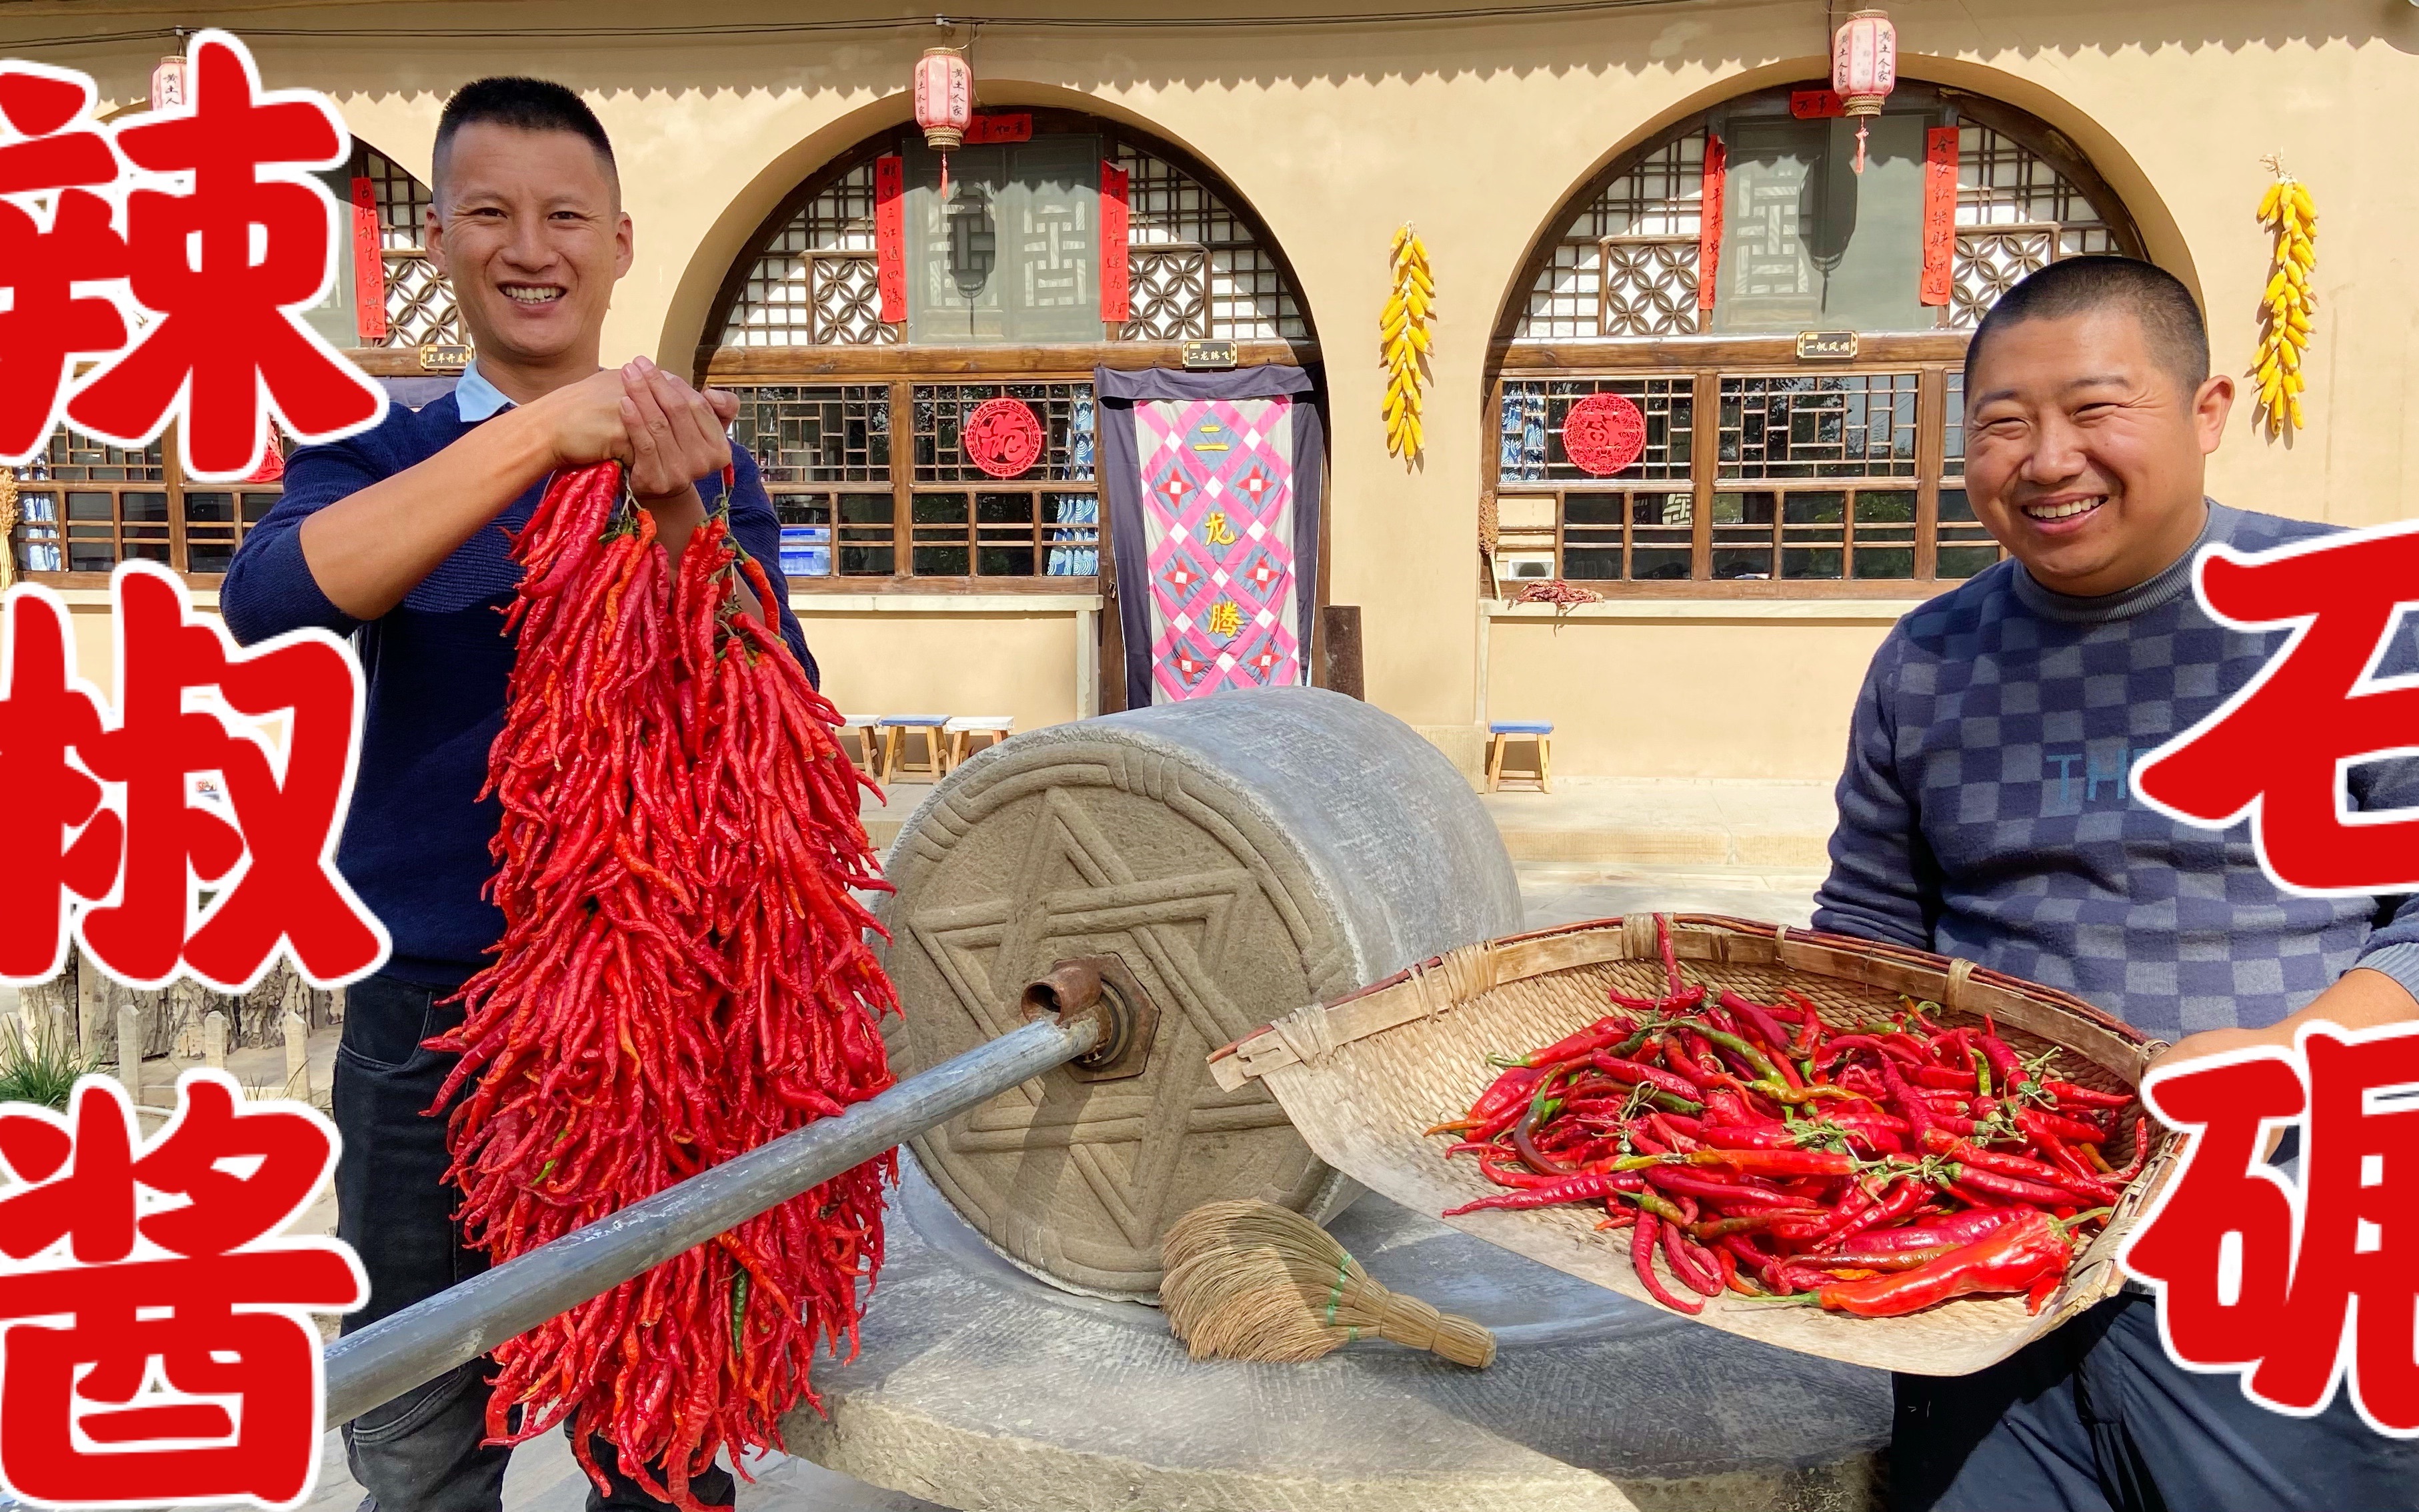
1939	213
1116	299
890	235
1709	220
369	266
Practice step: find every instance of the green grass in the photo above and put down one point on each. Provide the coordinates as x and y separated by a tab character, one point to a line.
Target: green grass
42	1071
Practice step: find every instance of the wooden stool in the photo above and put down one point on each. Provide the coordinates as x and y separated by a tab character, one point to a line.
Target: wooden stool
896	728
1506	731
964	731
869	751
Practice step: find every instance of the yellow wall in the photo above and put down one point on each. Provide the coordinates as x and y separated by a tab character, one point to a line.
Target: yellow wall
1637	693
1477	132
1015	663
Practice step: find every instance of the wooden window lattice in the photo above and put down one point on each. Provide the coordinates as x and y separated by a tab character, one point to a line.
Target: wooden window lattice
1197	270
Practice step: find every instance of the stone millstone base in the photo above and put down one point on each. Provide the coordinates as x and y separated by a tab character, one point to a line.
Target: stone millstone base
982	1389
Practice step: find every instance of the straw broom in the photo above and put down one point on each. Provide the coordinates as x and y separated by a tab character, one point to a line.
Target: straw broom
1252	1281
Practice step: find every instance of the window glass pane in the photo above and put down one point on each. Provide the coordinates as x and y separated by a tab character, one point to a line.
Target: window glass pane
867	508
208	556
1952	426
868	560
1842	426
1885	533
1743	534
940	562
38	532
1810	243
1966	561
815	433
1073	534
940	509
1592	508
1813	528
1954	505
1013	254
801	508
1529	439
257	505
207	507
1662	536
150	508
88	506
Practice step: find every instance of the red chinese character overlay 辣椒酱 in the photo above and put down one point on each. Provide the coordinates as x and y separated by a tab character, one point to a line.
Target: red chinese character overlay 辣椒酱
2285	1283
227	1299
2279	750
50	147
229	332
136	867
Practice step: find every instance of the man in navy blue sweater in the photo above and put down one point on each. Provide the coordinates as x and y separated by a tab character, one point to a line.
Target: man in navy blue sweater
397	538
1985	813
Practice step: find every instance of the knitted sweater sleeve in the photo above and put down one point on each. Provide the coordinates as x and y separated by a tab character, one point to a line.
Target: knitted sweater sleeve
1883	883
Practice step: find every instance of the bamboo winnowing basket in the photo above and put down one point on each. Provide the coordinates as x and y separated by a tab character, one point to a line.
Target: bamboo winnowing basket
1362	1076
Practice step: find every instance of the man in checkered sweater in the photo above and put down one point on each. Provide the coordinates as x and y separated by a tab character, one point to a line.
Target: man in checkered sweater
1985	812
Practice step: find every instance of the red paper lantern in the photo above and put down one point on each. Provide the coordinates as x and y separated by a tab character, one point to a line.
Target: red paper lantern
1002	436
1864	68
1603	434
945	103
168	84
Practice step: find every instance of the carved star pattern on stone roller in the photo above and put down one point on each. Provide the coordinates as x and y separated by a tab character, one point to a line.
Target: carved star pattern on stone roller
1082	897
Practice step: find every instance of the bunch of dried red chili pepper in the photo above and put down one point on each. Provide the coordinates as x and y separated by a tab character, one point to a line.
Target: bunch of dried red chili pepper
683	977
1876	1172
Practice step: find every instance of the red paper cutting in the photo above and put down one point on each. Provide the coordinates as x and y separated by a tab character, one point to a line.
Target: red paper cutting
1709	218
369	266
1603	434
890	236
1939	213
1116	297
1002	436
985	129
1816	104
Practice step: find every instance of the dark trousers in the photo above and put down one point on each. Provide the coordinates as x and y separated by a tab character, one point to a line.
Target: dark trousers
2096	1418
423	1452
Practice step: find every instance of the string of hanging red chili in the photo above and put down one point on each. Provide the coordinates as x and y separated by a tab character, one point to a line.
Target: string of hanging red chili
683	976
1760	1151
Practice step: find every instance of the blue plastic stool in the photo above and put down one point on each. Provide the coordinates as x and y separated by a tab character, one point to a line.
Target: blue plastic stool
1504	731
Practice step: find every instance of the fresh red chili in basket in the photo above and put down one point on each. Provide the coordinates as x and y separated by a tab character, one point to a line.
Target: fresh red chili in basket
1733	1137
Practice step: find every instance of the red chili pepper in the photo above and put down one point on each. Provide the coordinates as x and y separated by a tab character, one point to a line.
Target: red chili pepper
2013	1257
1972	1156
2074	1130
1593	1186
1643	1238
2086	1097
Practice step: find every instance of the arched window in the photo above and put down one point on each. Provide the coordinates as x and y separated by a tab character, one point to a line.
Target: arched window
1801	427
84	506
857	420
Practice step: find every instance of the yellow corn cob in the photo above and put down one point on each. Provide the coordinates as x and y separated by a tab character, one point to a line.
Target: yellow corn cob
1404	341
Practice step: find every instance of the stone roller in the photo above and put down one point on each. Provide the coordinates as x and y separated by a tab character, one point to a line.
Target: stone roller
1229	859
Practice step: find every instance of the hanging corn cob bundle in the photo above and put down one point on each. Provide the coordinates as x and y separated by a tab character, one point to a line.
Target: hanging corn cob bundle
2286	305
1403	332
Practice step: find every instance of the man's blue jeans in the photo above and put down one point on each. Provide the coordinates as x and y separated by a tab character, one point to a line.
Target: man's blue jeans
423	1451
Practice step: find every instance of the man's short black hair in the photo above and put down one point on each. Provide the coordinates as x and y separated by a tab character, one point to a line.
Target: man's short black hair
2171	322
524	104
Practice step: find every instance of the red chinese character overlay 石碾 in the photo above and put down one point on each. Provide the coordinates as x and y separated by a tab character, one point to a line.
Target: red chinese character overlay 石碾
131	872
187	1369
2279	751
2290	1284
51	147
